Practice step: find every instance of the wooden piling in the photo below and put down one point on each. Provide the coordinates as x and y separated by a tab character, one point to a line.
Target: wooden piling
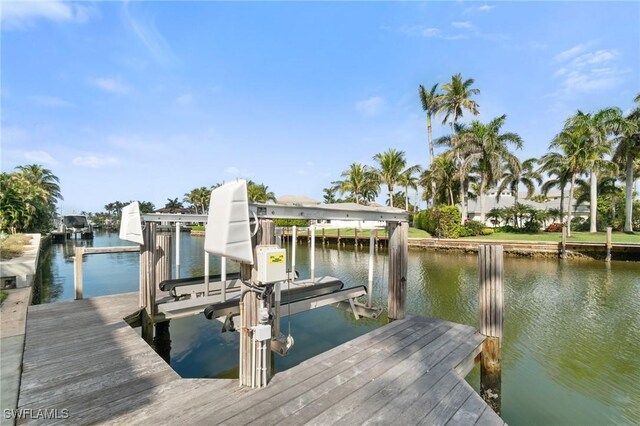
163	257
608	245
398	257
77	268
338	237
491	301
563	249
249	306
355	233
148	280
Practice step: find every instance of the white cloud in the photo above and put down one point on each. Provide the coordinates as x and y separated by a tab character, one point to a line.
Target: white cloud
50	101
419	30
584	71
571	53
462	24
232	171
95	161
483	8
185	99
40	157
371	107
22	14
144	27
111	85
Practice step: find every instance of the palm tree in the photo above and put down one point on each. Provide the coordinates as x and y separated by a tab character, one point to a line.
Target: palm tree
441	175
259	193
627	150
596	129
430	105
361	181
455	99
555	164
172	204
43	179
572	142
391	164
329	196
407	179
485	147
520	173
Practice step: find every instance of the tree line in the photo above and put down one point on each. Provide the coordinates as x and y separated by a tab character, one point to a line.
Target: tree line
603	146
28	198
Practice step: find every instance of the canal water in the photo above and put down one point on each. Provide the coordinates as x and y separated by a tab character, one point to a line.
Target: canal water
572	328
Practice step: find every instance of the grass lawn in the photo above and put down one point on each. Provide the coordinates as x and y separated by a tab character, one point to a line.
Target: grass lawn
13	246
577	237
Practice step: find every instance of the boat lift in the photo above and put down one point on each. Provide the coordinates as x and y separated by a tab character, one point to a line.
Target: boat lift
263	272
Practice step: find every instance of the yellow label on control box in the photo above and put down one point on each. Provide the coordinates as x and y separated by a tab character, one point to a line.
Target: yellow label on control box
276	258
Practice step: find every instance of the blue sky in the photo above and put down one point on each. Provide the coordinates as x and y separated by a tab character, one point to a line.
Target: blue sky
147	100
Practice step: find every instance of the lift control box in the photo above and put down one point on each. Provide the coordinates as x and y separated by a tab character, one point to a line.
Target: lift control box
272	264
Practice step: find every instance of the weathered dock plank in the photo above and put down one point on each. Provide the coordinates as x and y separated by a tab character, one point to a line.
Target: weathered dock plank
99	369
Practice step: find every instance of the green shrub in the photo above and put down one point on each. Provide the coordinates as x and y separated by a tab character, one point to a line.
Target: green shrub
441	221
474	227
291	222
487	231
465	231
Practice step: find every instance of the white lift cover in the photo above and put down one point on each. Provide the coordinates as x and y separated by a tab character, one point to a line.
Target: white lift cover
227	232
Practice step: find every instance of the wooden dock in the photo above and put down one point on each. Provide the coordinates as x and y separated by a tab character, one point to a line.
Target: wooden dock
82	357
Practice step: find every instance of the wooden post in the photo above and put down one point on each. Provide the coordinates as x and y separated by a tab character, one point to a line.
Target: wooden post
77	272
163	257
338	237
177	249
250	358
398	257
376	237
608	257
162	341
323	237
355	233
491	298
370	276
148	280
563	250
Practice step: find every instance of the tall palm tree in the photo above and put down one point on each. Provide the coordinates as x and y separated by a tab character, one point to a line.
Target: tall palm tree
430	105
485	147
408	180
456	98
520	173
627	150
361	181
572	143
391	163
596	128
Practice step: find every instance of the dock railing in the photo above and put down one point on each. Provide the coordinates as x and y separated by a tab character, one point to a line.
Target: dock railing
81	251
